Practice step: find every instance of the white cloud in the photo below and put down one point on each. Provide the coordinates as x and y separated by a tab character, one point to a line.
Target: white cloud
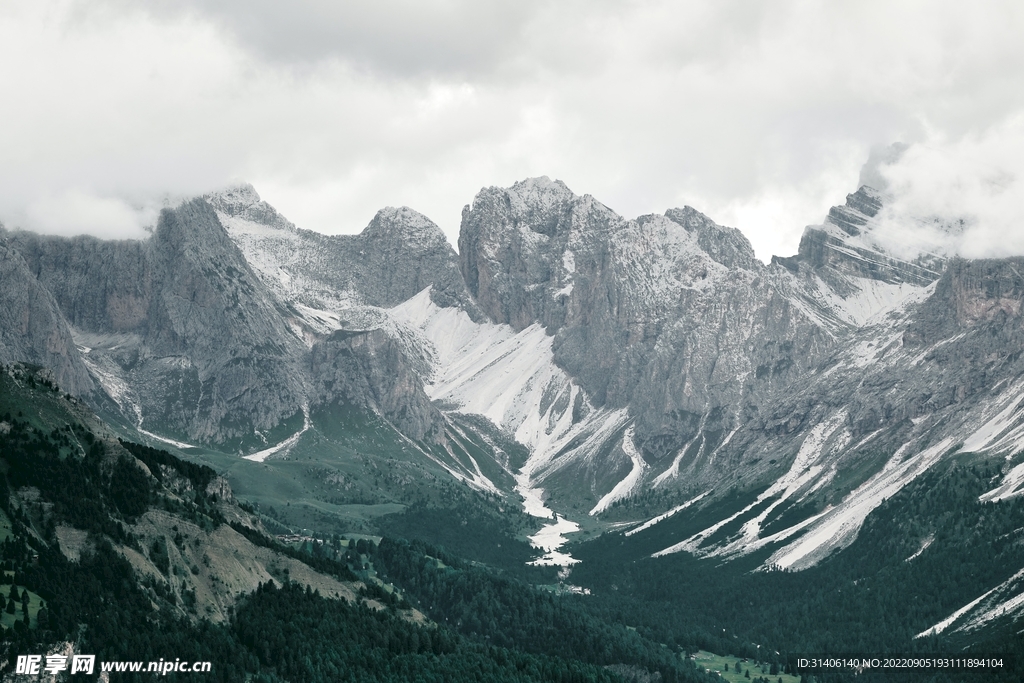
963	196
77	213
758	117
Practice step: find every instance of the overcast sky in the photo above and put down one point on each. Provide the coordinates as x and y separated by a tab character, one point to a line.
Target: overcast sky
759	114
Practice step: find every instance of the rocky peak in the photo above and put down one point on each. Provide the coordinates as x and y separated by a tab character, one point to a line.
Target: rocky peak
540	203
521	248
625	299
181	309
860	207
847	245
727	246
235	199
399	254
403	225
244	202
193	229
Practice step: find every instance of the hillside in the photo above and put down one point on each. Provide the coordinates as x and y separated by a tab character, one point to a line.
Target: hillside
130	553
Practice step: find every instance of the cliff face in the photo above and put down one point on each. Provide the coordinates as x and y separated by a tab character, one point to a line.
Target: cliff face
671	316
972	293
369	368
32	329
400	253
183	335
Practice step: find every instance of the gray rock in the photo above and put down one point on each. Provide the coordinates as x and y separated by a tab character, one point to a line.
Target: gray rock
32	329
670	316
809	375
187	339
832	251
369	370
399	254
199	342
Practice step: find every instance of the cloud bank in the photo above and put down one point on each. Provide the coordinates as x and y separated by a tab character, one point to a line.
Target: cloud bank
758	115
958	197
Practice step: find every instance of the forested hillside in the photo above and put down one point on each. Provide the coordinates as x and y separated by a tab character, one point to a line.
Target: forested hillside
94	575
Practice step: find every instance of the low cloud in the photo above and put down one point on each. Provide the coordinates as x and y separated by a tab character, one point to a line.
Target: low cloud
958	197
76	213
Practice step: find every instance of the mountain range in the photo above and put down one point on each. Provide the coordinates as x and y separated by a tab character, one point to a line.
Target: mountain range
648	379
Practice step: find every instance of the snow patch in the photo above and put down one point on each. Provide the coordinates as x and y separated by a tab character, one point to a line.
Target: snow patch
508	377
952	618
1010	486
569	262
511	379
115	386
802	473
550	539
178	444
871	302
924	546
665	515
998	433
285	445
876	299
477	479
672	471
533	499
1004	608
632	480
839	525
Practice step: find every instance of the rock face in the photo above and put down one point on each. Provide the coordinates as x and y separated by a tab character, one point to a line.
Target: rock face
827	380
370	368
971	293
32	329
187	339
671	316
187	334
400	253
938	378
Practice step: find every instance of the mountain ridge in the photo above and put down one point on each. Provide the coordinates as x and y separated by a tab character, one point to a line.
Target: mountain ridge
631	355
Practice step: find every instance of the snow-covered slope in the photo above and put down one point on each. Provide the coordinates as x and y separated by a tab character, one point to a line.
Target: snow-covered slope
1004	600
511	379
927	383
